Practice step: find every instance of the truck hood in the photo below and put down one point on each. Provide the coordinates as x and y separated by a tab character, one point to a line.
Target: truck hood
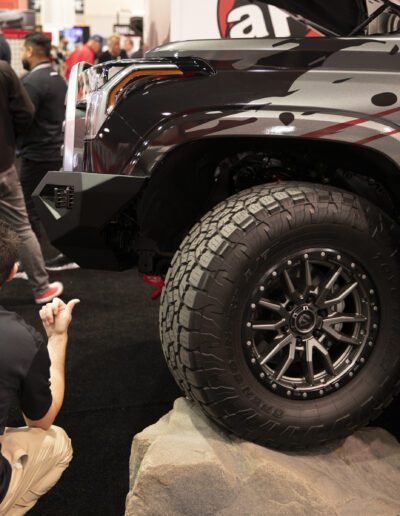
339	16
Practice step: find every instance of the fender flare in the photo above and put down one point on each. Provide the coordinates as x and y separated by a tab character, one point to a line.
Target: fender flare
377	131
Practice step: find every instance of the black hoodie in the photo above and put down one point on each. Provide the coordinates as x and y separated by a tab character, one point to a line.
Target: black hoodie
5	51
16	114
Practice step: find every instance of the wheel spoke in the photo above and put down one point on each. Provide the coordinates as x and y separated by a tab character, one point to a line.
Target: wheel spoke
308	278
309	362
291	290
340	295
268	326
344	318
270	305
311	345
341	337
327	286
288	339
326	356
286	363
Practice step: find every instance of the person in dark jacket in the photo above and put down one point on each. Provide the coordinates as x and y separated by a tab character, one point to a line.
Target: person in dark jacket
114	51
40	146
5	50
16	114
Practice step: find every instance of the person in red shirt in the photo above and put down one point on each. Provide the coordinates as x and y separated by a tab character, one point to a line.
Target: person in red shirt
87	52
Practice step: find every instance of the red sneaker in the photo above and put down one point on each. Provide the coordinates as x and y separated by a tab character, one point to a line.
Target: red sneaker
53	290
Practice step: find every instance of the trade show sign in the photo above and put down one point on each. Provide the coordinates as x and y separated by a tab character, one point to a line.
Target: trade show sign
192	19
244	19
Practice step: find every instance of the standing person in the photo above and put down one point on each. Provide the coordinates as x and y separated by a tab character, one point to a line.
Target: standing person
129	47
87	52
5	51
40	145
16	114
139	52
114	50
32	458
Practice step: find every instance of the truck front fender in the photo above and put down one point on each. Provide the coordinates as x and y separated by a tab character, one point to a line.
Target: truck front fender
377	131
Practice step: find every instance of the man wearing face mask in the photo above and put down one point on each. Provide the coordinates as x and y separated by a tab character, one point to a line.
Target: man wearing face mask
40	145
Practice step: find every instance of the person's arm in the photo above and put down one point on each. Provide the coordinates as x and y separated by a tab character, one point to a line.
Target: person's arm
21	108
56	317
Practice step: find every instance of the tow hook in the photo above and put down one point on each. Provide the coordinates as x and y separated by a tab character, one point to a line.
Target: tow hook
157	282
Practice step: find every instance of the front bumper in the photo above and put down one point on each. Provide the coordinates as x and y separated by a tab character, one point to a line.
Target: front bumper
81	212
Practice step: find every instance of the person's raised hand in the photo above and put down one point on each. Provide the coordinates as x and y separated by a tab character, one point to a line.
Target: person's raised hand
57	316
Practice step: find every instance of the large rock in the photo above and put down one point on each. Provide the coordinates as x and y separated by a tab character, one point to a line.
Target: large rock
184	465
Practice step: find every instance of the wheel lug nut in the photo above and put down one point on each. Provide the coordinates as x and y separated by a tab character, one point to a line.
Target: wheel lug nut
262	288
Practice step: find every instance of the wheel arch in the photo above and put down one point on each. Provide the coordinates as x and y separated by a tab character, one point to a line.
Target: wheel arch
183	187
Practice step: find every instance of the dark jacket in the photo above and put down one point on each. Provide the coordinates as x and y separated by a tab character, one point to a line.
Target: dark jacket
16	113
5	51
106	56
47	90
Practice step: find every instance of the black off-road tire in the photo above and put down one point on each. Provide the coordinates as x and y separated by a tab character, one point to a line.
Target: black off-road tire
212	278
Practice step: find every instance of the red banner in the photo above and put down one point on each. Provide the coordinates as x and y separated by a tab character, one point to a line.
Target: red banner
14	4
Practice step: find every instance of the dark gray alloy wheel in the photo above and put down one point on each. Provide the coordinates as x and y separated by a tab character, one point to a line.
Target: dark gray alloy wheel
280	314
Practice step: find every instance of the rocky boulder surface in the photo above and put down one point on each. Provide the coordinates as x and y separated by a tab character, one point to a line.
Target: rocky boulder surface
184	465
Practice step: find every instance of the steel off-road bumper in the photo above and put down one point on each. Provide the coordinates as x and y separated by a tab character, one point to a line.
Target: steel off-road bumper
79	211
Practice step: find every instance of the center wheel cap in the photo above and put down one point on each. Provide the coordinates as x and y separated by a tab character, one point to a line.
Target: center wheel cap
303	320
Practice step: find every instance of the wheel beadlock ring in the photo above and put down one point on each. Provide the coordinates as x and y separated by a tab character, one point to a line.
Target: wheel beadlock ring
312	327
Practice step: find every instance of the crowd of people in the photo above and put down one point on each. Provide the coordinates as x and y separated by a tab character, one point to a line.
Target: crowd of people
31	125
32	111
93	52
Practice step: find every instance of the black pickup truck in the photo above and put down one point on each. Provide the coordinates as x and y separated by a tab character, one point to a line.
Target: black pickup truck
261	178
